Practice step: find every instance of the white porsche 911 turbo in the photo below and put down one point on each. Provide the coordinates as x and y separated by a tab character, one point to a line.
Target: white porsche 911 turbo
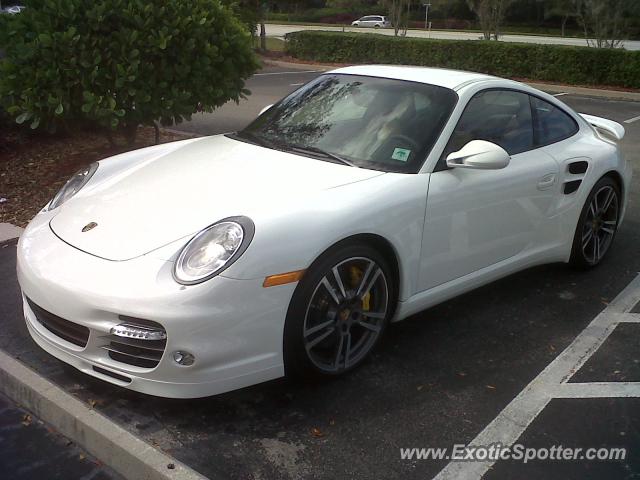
373	192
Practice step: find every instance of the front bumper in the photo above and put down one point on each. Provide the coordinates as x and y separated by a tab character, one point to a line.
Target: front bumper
234	328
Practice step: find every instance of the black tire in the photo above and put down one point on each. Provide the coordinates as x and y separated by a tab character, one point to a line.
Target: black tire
308	305
591	229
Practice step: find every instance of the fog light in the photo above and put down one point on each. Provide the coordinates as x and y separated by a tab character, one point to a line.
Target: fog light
183	358
135	331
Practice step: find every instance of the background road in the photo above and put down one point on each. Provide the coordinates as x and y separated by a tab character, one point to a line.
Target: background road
275	30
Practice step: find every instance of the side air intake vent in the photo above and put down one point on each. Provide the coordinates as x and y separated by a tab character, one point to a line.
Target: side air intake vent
572	186
576	168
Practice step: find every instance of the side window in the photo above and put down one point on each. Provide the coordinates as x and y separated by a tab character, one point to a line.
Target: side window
499	116
550	124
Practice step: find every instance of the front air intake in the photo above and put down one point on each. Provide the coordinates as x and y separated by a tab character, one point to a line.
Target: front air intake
69	331
137	342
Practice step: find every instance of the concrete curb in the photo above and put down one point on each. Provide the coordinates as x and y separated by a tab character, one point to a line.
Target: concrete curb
183	133
125	453
298	66
9	231
548	87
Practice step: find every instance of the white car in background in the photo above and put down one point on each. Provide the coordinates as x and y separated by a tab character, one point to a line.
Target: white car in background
14	10
372	21
369	194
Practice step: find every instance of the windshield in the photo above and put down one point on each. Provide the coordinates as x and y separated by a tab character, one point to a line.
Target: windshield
368	122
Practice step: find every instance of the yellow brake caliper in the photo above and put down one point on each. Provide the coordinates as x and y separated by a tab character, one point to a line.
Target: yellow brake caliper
355	276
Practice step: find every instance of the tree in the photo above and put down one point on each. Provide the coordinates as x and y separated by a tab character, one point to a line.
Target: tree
605	20
122	63
354	7
490	14
565	9
398	12
247	11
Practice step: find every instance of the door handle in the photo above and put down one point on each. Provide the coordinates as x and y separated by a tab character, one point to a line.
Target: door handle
547	181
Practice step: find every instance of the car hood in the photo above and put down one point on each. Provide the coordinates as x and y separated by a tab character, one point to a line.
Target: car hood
177	193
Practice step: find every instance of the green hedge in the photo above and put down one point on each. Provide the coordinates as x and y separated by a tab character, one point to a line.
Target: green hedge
313	15
554	63
122	63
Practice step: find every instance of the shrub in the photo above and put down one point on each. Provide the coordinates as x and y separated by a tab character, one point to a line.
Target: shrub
246	11
554	63
4	27
122	63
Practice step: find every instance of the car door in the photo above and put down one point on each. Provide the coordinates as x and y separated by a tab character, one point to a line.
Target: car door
366	22
479	218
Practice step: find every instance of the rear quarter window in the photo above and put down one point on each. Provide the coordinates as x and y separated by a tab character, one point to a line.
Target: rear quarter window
550	124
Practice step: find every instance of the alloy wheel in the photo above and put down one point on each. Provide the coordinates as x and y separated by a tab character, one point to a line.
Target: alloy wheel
346	314
600	224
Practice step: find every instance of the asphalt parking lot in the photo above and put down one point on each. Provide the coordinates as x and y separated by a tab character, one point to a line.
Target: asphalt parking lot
31	449
440	378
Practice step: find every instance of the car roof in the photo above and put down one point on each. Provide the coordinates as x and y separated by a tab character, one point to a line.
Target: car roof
453	79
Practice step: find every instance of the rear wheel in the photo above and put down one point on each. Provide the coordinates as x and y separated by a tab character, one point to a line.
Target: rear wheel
339	312
597	225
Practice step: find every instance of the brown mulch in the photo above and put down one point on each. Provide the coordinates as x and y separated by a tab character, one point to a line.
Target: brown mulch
34	166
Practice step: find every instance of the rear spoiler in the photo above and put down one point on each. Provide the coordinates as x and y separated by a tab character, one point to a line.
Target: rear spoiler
609	128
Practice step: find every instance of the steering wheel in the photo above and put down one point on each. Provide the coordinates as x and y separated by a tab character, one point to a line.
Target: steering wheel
403	140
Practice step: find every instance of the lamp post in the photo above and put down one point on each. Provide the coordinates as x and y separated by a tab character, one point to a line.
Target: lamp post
426	15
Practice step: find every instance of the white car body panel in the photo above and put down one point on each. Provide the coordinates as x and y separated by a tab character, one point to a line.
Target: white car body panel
450	230
612	128
466	231
155	193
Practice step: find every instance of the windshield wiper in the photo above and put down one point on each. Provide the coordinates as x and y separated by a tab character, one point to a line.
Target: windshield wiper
264	142
324	153
256	139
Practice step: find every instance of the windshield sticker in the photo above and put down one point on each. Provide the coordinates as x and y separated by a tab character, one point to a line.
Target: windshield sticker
401	154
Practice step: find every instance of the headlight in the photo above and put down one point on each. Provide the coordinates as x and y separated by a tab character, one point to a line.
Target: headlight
73	186
213	250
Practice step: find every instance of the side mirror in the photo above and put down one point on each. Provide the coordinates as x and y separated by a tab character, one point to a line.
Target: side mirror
479	154
265	109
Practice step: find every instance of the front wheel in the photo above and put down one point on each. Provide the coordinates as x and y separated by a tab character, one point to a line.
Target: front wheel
338	312
597	225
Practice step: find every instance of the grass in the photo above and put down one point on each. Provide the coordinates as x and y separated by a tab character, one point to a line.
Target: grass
273	44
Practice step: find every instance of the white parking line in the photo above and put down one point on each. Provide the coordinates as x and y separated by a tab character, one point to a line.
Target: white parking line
634	119
551	383
296	84
598	390
286	73
560	94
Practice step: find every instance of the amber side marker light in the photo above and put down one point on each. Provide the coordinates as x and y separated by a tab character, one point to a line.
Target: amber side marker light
282	278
